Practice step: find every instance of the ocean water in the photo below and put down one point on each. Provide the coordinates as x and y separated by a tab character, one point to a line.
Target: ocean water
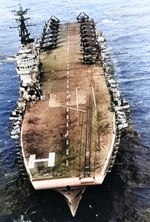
125	194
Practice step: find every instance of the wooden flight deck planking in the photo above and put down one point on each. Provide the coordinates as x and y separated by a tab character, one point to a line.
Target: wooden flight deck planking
69	88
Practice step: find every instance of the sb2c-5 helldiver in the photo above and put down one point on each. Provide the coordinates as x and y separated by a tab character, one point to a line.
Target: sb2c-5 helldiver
70	112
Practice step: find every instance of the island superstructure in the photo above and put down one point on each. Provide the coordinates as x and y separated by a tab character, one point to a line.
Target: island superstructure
71	109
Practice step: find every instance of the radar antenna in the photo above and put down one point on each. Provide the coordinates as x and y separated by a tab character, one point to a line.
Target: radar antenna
23	31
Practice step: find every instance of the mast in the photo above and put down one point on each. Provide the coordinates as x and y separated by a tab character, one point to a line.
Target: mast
23	31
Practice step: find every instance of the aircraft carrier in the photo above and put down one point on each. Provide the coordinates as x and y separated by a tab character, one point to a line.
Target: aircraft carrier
70	112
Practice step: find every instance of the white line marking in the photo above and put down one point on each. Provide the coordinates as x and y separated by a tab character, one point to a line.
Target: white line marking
77	96
73	109
67	152
93	96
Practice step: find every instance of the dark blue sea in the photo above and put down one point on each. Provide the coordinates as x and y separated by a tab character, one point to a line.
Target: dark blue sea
125	194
